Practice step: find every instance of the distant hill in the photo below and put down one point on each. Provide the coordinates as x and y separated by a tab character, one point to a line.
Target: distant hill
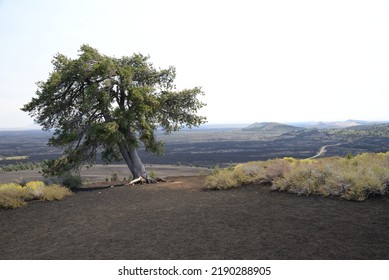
372	130
336	124
272	128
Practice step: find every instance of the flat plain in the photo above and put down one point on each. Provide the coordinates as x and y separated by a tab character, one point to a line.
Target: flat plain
217	146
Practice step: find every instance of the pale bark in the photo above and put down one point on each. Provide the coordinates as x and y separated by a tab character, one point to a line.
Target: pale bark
138	180
133	161
139	168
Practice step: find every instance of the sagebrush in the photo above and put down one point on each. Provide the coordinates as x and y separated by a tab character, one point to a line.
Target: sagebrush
351	178
14	195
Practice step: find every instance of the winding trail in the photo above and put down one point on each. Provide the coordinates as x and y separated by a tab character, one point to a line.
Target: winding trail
323	150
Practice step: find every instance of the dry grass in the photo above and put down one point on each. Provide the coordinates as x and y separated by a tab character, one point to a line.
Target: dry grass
55	192
247	173
13	195
355	178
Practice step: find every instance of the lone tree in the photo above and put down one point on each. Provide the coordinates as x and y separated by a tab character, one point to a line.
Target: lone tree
97	103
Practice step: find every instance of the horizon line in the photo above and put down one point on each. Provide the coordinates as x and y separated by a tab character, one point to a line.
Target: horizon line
36	127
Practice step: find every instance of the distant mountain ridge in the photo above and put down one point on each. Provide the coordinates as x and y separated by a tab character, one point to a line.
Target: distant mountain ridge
343	127
335	124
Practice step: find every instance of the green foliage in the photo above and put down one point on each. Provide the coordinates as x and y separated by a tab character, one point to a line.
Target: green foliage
114	177
349	155
70	180
377	130
19	166
61	167
100	103
355	178
13	195
153	175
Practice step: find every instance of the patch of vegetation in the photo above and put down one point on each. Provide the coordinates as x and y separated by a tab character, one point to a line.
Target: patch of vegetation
352	178
14	195
377	130
114	177
240	175
153	175
19	166
70	180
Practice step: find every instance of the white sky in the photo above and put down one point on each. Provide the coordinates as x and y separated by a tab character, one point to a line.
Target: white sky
256	60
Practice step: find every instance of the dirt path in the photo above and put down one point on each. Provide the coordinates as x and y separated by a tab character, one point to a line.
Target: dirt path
180	220
323	150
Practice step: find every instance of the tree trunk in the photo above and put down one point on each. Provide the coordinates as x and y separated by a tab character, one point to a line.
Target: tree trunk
139	168
133	161
130	155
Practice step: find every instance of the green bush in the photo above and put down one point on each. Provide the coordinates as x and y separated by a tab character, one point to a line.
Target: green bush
153	175
70	181
351	178
114	177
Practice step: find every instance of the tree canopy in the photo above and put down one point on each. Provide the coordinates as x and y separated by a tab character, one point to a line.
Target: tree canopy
113	106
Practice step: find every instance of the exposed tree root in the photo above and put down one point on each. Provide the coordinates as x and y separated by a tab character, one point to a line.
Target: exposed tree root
149	180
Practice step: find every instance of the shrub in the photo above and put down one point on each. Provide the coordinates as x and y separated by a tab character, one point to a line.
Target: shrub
55	192
276	168
10	186
35	188
13	195
351	178
223	179
239	175
70	180
114	177
11	201
153	175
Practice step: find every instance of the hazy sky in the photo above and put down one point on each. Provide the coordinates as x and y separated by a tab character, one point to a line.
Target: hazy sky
256	60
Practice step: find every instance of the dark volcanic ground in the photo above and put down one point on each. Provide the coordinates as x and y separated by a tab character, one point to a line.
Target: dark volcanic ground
180	220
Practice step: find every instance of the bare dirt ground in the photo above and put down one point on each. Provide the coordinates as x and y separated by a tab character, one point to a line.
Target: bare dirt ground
100	172
180	220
